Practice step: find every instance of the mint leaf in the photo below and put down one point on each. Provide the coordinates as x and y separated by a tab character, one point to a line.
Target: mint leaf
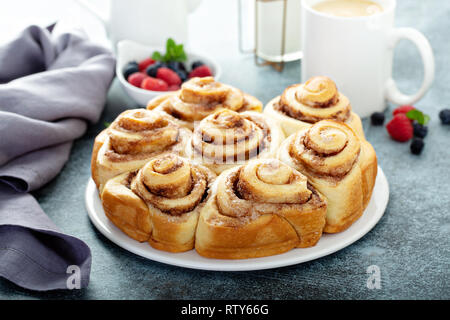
106	124
415	115
170	44
156	56
179	49
182	57
174	52
419	116
170	49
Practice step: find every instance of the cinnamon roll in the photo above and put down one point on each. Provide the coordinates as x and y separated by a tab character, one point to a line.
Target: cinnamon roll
125	209
200	97
302	105
132	139
174	190
259	209
338	164
227	138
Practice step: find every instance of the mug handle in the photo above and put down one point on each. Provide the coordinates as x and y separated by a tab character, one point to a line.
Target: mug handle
393	94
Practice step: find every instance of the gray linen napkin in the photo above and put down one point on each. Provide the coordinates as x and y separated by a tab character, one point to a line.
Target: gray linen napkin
50	89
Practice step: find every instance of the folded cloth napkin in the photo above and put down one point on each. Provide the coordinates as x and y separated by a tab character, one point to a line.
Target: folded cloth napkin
50	89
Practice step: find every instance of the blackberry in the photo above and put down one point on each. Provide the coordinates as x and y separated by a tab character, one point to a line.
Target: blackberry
152	69
420	131
176	65
129	69
182	74
196	64
135	63
444	115
417	145
377	118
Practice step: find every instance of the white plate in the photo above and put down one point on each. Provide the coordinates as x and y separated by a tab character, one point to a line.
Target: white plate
329	243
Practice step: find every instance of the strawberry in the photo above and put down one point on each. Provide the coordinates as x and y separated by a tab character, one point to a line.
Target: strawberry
201	71
136	78
154	84
173	87
145	63
400	128
402	109
168	75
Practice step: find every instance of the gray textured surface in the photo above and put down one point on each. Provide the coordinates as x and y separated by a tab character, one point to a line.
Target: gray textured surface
410	244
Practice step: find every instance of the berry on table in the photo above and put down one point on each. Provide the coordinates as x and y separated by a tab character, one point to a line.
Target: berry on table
136	78
377	118
400	128
202	71
152	69
154	84
416	146
420	130
402	109
143	65
130	68
444	115
196	64
169	76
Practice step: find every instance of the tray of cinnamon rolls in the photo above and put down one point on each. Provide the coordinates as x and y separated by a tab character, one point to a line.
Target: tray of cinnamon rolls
207	178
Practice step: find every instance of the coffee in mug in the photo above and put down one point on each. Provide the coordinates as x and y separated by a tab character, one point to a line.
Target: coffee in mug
348	8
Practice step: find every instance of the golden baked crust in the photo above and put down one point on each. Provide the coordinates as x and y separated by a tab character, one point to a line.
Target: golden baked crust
338	164
134	137
174	190
98	143
369	169
259	209
157	179
302	105
125	209
227	138
200	97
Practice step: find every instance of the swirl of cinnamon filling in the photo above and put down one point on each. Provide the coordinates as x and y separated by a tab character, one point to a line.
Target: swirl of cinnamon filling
200	97
261	186
141	132
171	184
328	147
317	99
228	136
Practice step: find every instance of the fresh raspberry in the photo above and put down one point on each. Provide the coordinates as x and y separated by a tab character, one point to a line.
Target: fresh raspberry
154	84
136	79
169	76
201	71
173	87
145	63
400	128
402	109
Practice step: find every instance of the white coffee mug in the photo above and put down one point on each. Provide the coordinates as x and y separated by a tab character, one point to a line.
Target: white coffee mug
148	22
357	53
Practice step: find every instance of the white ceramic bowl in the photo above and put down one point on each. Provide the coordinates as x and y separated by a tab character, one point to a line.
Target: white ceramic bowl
132	51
